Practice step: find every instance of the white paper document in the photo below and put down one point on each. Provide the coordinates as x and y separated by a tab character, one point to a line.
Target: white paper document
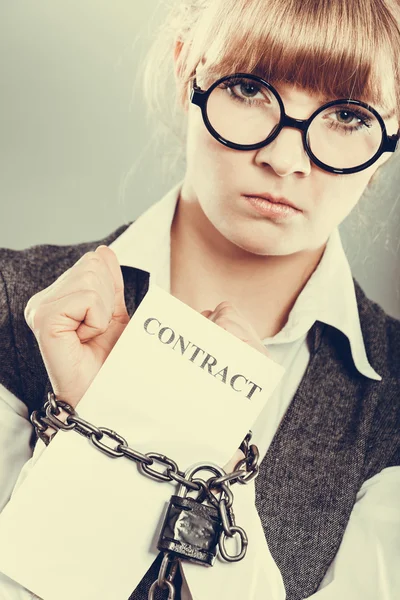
84	525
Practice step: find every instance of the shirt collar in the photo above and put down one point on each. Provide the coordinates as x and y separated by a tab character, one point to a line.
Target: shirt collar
146	243
329	295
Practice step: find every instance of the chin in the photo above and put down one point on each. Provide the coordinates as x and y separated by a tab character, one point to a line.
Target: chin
259	247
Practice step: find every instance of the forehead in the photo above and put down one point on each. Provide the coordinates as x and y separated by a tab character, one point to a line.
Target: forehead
329	58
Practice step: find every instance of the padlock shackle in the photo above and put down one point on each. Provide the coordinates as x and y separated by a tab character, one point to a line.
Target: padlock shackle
193	469
202	466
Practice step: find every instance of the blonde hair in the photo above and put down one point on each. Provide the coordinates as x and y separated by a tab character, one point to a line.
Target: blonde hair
339	48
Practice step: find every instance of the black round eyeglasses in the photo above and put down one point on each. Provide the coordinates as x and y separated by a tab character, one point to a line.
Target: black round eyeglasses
244	112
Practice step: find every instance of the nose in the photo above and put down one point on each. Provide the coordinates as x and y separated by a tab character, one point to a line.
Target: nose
286	154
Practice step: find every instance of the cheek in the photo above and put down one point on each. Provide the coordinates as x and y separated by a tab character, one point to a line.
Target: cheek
344	191
200	140
205	146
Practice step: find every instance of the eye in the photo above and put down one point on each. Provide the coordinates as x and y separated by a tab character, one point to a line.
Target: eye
347	120
352	117
346	116
246	90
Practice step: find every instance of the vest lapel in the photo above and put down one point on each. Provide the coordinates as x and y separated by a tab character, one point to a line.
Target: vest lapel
313	469
136	285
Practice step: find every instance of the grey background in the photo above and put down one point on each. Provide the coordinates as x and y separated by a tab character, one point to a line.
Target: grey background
77	156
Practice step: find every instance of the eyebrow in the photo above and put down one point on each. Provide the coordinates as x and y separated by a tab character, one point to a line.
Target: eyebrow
385	116
325	99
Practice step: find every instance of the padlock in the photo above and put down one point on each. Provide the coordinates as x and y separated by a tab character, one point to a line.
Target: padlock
190	529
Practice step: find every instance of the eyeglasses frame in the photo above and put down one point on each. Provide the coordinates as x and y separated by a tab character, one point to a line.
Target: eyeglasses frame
200	98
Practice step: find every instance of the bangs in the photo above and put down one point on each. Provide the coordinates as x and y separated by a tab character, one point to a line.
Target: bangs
334	48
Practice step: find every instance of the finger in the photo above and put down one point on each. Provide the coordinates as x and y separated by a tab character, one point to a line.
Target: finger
228	309
230	466
206	313
90	261
240	328
99	262
84	309
232	326
87	275
111	260
228	316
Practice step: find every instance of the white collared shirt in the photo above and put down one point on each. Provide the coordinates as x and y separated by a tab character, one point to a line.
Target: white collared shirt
367	563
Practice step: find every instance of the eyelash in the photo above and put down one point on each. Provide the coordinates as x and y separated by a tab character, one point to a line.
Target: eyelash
234	96
332	124
365	122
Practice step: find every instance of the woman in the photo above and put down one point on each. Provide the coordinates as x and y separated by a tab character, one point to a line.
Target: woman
309	117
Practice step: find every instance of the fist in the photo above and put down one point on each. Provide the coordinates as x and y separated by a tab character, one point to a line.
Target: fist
77	321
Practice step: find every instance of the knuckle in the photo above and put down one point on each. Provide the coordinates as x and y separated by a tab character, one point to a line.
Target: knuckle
92	297
96	300
103	322
225	304
92	257
33	311
91	278
28	312
226	307
36	317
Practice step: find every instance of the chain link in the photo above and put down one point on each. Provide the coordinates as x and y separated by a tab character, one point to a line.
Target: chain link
83	427
192	485
52	412
164	580
134	455
243	544
96	440
162	460
229	530
226	514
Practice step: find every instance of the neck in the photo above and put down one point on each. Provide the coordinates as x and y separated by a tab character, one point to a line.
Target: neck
207	269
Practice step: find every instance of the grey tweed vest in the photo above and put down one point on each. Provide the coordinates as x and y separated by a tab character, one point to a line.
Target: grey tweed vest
340	429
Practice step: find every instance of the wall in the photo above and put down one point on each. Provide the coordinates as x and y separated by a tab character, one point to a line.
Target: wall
76	155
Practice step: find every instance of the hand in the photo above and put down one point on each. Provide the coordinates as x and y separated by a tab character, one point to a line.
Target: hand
77	321
227	316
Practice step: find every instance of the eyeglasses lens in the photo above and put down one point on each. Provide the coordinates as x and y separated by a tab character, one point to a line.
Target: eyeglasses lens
246	112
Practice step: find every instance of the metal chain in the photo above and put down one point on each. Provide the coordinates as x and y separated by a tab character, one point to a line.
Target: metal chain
163	580
229	529
117	447
226	514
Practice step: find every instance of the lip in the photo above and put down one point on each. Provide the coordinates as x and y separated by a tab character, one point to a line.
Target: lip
274	211
274	199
